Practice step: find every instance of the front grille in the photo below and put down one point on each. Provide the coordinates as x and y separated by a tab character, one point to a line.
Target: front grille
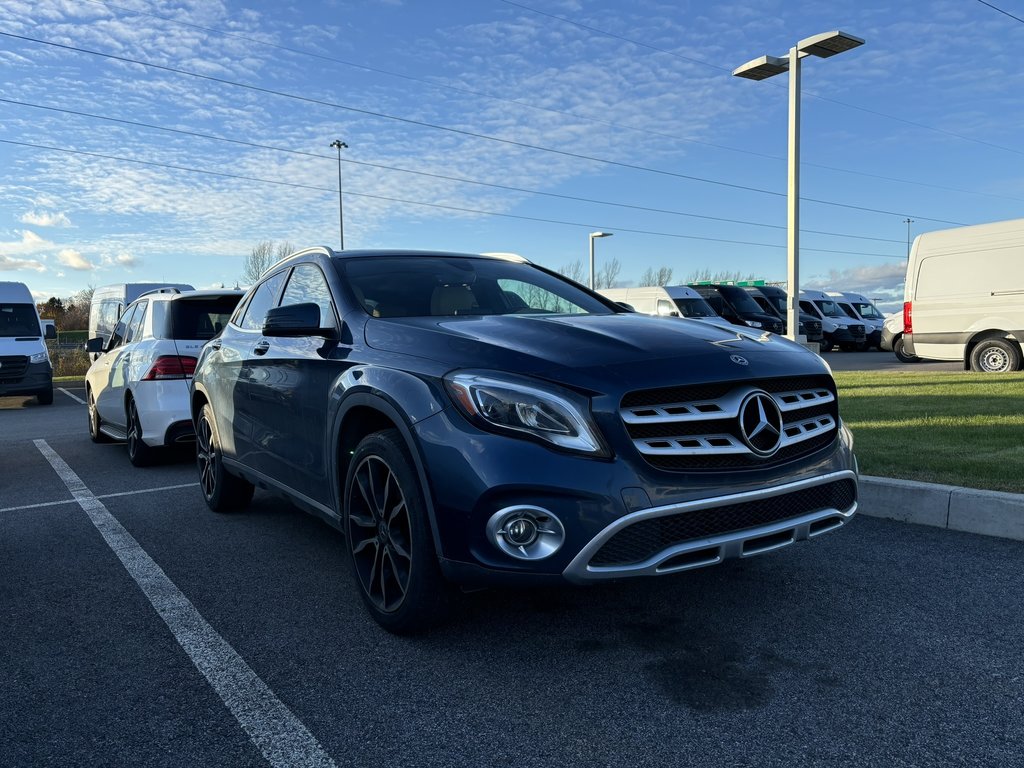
13	367
814	325
857	330
697	427
646	538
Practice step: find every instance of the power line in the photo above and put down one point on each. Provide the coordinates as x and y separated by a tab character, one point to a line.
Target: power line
278	182
805	91
444	177
1005	13
461	132
551	110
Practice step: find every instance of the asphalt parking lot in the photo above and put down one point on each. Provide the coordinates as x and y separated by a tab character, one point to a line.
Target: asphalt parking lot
139	628
878	360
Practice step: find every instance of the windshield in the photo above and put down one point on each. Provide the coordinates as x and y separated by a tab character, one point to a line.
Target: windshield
829	308
848	310
741	300
694	308
867	311
19	320
443	286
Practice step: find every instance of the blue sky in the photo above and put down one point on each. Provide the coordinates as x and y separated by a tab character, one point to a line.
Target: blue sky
922	121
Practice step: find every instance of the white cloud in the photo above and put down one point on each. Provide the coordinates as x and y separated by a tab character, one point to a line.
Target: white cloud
72	259
7	264
122	259
46	219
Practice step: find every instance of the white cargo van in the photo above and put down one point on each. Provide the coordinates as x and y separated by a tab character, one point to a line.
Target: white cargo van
24	360
109	301
860	308
667	301
964	296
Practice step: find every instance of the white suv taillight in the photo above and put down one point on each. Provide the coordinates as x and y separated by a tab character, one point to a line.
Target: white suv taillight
171	367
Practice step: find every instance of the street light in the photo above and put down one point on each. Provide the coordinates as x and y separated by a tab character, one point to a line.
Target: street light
593	236
824	45
340	145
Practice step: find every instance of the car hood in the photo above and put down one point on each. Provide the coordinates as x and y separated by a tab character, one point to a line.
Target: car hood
595	351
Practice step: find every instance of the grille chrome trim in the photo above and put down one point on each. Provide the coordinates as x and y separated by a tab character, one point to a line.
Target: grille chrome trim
728	546
724	407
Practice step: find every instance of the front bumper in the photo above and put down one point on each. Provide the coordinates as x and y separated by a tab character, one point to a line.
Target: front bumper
595	499
37	377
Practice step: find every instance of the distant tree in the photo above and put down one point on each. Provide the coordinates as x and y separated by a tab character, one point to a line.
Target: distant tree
261	257
52	309
661	276
721	276
608	274
574	271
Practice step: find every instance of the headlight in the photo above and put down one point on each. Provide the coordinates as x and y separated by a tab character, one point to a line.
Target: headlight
752	323
39	357
540	410
842	327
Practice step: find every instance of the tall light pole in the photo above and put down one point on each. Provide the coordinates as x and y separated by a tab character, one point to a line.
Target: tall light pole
824	45
908	221
594	236
340	145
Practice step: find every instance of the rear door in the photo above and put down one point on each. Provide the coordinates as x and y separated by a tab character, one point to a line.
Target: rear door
114	367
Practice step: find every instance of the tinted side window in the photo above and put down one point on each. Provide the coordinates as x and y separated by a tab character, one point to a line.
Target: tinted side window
263	299
308	285
134	332
121	328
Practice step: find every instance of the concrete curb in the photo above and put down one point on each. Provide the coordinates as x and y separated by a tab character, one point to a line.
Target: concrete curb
990	513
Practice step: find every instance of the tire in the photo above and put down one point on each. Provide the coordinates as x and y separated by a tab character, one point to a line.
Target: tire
46	396
222	491
901	354
995	356
826	345
94	420
388	536
848	347
139	454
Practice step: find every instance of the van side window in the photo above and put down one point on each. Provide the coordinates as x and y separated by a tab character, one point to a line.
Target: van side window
263	299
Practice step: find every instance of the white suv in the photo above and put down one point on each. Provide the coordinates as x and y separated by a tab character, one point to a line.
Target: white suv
138	388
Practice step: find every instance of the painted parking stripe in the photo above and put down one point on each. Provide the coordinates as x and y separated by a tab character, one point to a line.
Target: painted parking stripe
76	398
101	496
276	732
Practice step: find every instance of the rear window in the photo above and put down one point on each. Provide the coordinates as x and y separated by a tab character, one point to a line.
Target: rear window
201	318
18	320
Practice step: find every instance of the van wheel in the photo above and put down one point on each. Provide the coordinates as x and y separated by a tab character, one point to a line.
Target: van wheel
139	454
388	535
901	353
826	345
222	491
995	356
46	396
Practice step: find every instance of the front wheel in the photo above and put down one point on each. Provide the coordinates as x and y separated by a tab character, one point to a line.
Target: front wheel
389	539
826	345
45	397
94	420
995	356
222	491
901	352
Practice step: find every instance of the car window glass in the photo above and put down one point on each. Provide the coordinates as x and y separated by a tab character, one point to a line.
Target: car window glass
809	308
308	285
134	332
120	328
263	299
236	318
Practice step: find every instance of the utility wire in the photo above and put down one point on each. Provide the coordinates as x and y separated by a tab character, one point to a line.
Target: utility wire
444	177
278	182
1005	13
551	110
804	91
461	132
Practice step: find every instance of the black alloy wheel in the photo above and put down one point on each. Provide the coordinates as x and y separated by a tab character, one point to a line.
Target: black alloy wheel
222	491
389	538
139	454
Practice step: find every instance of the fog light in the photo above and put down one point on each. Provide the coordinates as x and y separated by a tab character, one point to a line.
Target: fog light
526	533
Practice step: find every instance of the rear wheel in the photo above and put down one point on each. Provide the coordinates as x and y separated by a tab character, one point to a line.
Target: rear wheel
901	353
139	454
388	536
222	491
995	356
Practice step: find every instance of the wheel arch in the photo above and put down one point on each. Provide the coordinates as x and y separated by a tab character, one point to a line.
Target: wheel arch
990	333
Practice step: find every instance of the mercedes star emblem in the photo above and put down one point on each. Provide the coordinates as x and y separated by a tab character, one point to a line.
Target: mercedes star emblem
761	423
738	359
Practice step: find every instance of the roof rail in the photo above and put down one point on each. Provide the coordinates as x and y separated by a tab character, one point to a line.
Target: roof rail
159	290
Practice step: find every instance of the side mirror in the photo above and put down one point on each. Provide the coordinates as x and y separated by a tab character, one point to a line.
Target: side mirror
49	333
94	346
293	320
667	311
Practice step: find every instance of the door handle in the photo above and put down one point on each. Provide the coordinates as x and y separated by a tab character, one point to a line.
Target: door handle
261	348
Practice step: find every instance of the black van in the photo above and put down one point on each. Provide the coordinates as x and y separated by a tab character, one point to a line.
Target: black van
734	304
772	300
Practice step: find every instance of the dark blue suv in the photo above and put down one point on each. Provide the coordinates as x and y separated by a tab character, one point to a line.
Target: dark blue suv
474	420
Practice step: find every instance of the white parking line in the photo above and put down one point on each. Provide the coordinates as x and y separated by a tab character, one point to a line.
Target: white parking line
276	732
76	398
101	496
